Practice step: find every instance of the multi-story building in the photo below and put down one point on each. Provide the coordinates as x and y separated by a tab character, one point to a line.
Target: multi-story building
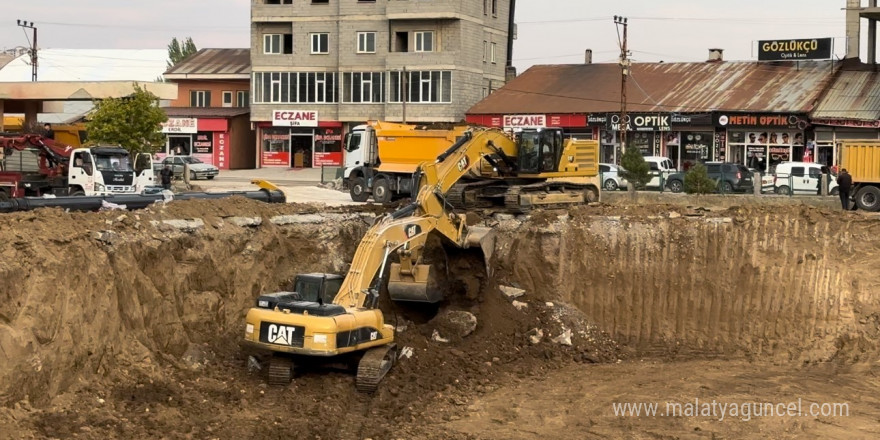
320	67
210	119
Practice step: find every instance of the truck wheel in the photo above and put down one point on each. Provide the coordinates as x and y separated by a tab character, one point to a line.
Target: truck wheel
381	191
358	190
3	196
78	193
192	175
782	190
868	198
835	191
675	186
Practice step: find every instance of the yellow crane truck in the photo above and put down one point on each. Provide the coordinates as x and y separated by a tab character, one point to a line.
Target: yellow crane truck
334	319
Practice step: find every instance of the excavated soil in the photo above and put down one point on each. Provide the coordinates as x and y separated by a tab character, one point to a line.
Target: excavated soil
120	325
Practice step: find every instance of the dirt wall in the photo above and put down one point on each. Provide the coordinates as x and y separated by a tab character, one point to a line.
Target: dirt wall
792	283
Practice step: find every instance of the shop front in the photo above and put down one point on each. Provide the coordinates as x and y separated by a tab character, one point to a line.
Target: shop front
299	139
686	139
763	140
206	139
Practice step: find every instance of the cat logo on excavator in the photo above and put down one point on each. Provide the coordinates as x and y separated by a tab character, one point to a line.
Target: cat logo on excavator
463	163
413	230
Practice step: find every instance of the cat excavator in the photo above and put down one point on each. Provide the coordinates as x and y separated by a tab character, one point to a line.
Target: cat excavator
329	317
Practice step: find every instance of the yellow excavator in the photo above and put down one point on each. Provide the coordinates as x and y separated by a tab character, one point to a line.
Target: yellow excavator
334	319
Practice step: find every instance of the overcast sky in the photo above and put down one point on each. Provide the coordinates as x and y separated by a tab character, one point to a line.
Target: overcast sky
549	31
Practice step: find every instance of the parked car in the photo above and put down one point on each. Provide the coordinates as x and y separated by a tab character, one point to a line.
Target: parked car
197	168
803	178
661	167
767	179
611	179
731	177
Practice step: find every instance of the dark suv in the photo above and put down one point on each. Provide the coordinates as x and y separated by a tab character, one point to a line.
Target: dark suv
731	177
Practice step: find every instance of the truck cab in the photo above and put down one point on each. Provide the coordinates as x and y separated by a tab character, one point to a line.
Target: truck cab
106	170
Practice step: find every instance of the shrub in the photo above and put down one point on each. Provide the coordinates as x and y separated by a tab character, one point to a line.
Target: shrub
697	181
637	171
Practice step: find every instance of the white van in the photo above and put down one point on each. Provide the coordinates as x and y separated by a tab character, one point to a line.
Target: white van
660	167
802	178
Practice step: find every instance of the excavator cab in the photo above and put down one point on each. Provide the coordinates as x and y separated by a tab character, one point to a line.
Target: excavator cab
317	287
539	150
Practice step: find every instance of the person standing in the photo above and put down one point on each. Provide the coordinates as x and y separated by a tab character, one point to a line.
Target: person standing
166	175
49	132
844	182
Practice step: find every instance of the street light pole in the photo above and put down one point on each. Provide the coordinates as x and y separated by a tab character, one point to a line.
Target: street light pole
30	25
624	72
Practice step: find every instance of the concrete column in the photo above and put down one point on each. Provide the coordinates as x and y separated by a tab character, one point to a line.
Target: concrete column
824	184
852	28
756	179
872	36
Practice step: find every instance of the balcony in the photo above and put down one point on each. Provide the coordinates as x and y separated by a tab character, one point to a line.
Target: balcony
423	10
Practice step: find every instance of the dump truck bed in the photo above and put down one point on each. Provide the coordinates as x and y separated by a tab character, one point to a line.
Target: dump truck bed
861	158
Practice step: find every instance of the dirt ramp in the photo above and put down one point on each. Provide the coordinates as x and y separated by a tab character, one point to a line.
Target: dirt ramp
788	283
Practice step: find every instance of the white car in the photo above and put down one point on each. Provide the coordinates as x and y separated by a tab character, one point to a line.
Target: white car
802	178
661	167
611	179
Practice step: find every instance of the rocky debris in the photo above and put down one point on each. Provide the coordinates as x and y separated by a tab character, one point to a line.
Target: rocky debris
512	292
297	219
196	357
456	322
435	336
333	184
246	221
519	305
185	225
536	335
564	338
106	237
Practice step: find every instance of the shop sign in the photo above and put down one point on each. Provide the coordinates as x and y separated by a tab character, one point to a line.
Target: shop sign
204	143
276	158
760	120
180	125
794	50
220	152
525	121
294	118
678	119
854	123
640	122
328	159
597	119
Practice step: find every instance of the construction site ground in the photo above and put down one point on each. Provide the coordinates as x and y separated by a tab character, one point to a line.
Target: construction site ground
119	325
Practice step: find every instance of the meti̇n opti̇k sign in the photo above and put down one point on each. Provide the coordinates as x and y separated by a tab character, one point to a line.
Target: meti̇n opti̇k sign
794	50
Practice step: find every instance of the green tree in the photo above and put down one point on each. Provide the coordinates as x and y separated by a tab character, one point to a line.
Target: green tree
697	181
638	172
177	52
132	122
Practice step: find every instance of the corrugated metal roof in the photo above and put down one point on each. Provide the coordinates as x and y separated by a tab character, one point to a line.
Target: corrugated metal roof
205	112
668	87
89	65
213	62
852	95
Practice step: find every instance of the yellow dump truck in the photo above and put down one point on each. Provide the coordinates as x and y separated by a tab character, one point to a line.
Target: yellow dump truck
861	158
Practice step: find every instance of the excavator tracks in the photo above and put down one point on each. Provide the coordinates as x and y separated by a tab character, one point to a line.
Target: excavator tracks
280	370
373	367
507	197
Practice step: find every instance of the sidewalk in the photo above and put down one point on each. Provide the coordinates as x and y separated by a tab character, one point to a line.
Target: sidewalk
270	174
299	185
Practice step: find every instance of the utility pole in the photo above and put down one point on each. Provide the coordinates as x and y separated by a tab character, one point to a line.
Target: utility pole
624	72
30	25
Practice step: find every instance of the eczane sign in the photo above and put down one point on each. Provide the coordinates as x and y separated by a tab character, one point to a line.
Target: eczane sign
294	118
525	121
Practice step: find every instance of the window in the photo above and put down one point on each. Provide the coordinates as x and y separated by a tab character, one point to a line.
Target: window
277	44
363	87
366	42
320	43
797	171
227	99
294	87
242	98
425	41
494	8
422	86
485	49
279	2
320	2
485	7
200	98
492	53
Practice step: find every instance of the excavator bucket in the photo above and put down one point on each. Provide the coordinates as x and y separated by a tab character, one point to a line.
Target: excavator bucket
422	284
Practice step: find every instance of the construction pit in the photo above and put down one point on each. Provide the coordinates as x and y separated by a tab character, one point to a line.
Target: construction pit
127	324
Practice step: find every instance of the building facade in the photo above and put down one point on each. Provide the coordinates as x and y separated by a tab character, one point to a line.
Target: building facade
321	67
210	118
